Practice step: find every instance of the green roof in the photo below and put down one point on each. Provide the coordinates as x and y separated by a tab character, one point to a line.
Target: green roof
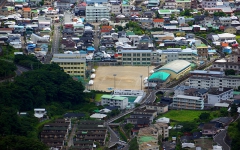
83	132
143	139
113	97
160	76
164	10
201	45
130	33
236	93
34	11
97	111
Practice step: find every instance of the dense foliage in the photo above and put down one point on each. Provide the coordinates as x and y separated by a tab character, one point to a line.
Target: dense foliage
46	86
21	143
234	132
6	69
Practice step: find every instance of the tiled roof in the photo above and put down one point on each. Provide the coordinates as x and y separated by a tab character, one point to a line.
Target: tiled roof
27	9
158	20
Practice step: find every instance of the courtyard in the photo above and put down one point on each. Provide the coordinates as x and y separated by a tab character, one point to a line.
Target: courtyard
127	77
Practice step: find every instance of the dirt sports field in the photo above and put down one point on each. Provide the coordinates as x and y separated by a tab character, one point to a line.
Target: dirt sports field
127	77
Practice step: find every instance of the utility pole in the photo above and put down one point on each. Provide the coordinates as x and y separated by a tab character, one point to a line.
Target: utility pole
148	79
141	81
114	75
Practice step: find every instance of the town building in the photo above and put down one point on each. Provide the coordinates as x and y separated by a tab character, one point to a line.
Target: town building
135	57
111	100
188	102
216	95
183	4
97	12
72	64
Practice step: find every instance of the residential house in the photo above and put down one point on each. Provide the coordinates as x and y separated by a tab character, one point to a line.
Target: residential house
111	100
202	51
153	3
80	10
135	118
160	108
96	13
188	102
146	112
40	112
166	100
183	4
225	21
161	37
26	12
73	115
224	37
44	22
235	56
209	129
6	10
216	95
68	44
146	23
158	23
47	2
224	121
106	29
230	29
203	93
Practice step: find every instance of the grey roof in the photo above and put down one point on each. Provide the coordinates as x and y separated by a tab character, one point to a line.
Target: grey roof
176	66
224	120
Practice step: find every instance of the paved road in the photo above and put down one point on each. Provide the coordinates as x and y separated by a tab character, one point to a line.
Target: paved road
20	70
96	37
220	139
70	139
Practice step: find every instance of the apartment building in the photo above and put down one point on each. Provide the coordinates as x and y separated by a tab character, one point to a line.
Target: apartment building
111	100
235	56
224	37
183	4
188	102
225	21
135	57
170	4
202	50
209	3
72	64
26	12
126	9
116	9
97	12
216	95
226	65
215	81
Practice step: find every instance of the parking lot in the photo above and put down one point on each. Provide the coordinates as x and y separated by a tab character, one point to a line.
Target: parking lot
127	77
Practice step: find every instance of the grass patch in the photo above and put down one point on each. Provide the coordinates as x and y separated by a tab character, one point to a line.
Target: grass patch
183	115
8	52
122	135
98	97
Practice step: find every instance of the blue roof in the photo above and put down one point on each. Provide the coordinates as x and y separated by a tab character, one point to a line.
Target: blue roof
90	48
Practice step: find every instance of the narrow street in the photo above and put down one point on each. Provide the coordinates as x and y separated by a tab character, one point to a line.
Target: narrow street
220	139
71	136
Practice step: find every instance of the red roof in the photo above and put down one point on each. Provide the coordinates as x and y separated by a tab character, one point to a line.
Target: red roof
106	28
158	20
221	28
224	44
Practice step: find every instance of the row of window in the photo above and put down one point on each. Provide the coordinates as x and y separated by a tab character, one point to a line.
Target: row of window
76	63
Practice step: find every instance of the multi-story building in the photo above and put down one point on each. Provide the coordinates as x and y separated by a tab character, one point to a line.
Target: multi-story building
97	12
224	37
111	100
158	23
170	4
188	102
214	81
72	64
183	4
202	50
216	95
126	9
47	2
116	9
26	12
135	57
194	4
209	3
235	56
226	65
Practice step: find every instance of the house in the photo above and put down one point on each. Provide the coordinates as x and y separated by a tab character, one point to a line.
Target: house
40	112
158	23
145	112
160	108
106	29
225	21
209	129
146	23
98	116
68	44
166	100
126	9
215	95
116	9
187	141
230	29
224	121
202	50
26	12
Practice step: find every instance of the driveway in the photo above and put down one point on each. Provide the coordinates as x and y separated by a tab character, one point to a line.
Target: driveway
70	139
220	139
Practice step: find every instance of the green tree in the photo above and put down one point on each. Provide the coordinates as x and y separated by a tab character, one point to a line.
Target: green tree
120	28
230	72
234	110
21	143
133	145
204	116
7	69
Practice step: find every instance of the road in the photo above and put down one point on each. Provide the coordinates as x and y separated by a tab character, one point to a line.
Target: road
70	139
220	139
55	43
97	35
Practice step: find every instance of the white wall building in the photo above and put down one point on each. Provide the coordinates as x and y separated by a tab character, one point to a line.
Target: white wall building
126	9
97	12
188	102
214	81
116	9
209	3
39	112
215	95
111	100
129	92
